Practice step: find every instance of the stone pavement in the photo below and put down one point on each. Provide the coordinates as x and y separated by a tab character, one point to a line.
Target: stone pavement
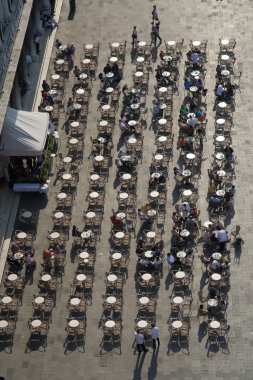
104	22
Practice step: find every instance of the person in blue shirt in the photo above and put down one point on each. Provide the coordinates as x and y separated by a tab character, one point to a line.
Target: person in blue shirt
187	84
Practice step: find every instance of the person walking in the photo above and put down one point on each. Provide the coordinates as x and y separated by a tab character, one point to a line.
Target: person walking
140	343
134	35
155	331
156	30
154	13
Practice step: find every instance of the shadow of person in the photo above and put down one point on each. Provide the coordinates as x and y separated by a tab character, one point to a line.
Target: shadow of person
202	331
152	370
138	366
72	9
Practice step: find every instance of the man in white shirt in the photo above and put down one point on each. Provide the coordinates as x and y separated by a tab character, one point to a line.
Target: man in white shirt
215	265
194	57
155	335
191	122
140	343
222	238
219	90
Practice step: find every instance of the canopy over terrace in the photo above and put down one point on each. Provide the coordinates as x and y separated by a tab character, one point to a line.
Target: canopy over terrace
24	133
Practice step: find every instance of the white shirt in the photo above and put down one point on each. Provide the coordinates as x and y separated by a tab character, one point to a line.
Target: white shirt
215	265
222	236
191	122
155	332
194	57
219	90
134	33
155	13
122	125
139	338
185	207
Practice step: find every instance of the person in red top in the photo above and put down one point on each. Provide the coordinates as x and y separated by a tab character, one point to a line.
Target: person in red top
117	222
47	254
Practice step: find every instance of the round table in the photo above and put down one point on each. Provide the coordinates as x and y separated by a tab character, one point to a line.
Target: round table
208	224
54	235
112	277
216	255
180	275
106	107
109	90
220	156
84	255
140	59
121	215
166	74
83	76
225	73
55	76
103	123
123	195
46	277
135	106
195	73
86	61
89	46
215	325
6	299
224	57
220	193
186	173
212	302
90	215
58	215
162	121
73	141
149	254
151	234
115	44
86	234
77	106
144	300
21	235
158	157
119	235
216	277
220	121
154	194
177	300
116	256
109	75
190	156
151	212
12	277
36	323
75	301
60	61
224	42
81	277
220	138
171	43
184	233
80	91
61	195
125	158
27	214
93	195
67	160
221	173
142	43
110	324
181	254
132	140
187	193
74	124
156	175
18	255
167	58
196	43
162	106
66	176
132	123
39	300
193	88
3	324
99	158
113	59
126	176
146	277
94	177
222	105
177	324
142	324
74	323
138	73
163	89
162	139
111	300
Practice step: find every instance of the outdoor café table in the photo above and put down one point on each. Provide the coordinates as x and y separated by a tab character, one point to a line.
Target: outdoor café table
46	277
106	107
94	177
99	158
151	212
193	89
186	173
190	156
3	324
162	106
73	141
55	76
90	215
140	59
18	255
162	138
220	121
74	124
116	256
103	123
80	91
177	300
67	160
191	114
166	74
195	73
27	214
36	323
220	156
123	195
58	215
12	277
54	235
39	300
225	57
184	233
132	140
142	43
144	300
119	235
208	224
154	194
138	73
212	302
215	325
142	324
86	61
61	195
86	234
81	277
187	193
216	255
60	61
84	255
94	195
177	324
180	275
135	106
171	43
216	277
113	59
121	215
221	173
220	193
163	89
77	106
146	277
155	175
115	44
126	176
158	157
109	90
75	301
111	300
66	176
225	73
110	324
125	158
167	58
109	75
73	323
149	254
222	105
181	254
83	76
162	121
89	47
151	234
224	42
112	278
196	43
21	235
132	123
6	300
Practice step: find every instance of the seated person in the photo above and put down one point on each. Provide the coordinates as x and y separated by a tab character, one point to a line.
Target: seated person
76	232
183	143
177	171
58	43
162	54
232	191
185	207
213	238
142	262
187	84
47	254
219	91
158	261
170	258
202	310
215	265
107	69
191	223
157	112
184	111
117	222
45	86
77	72
192	121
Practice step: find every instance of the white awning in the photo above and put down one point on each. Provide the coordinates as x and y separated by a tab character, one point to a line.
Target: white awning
24	133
